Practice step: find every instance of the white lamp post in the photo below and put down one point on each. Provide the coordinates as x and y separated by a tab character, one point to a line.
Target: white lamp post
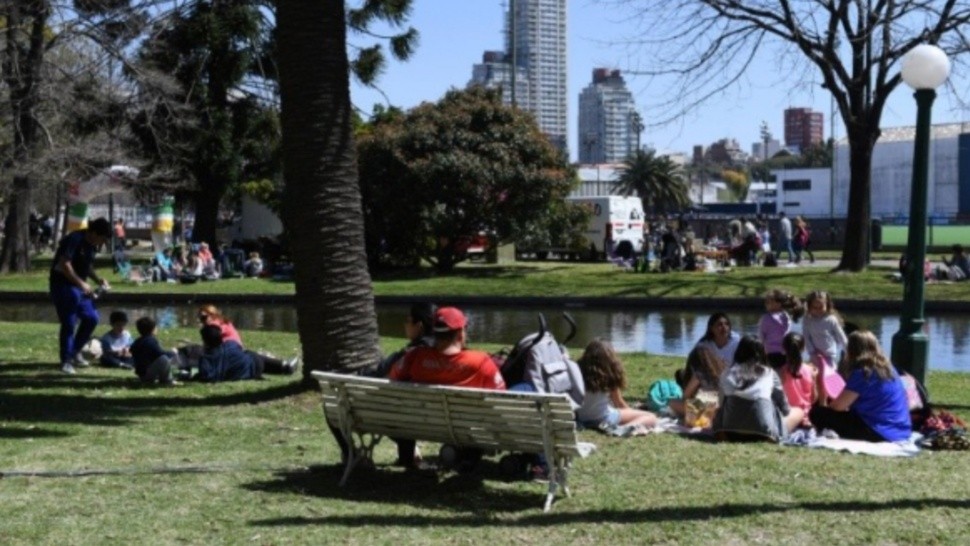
924	69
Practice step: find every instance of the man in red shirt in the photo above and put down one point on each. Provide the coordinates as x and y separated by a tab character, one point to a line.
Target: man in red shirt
448	363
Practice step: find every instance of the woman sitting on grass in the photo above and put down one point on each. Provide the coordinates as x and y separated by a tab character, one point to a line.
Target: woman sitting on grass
720	338
604	407
873	405
752	404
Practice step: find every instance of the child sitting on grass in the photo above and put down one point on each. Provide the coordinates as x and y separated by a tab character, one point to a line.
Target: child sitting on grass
752	404
604	407
116	343
152	363
797	377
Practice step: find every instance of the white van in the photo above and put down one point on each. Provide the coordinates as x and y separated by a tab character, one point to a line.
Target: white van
619	219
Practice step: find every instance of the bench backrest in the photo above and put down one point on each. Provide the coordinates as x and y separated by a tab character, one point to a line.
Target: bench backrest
487	419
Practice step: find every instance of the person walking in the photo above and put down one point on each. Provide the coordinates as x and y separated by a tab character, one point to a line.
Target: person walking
70	292
785	235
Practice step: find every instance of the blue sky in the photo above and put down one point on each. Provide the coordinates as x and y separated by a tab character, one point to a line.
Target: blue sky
454	33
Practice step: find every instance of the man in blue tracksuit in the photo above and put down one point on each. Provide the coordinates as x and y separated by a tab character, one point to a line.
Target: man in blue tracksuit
73	297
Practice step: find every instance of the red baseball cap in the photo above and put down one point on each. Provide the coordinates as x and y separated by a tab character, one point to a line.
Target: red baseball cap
448	319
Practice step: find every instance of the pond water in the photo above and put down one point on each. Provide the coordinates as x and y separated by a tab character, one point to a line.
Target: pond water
659	332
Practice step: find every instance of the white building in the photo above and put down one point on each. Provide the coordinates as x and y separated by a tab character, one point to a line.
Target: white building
810	192
758	149
607	125
892	171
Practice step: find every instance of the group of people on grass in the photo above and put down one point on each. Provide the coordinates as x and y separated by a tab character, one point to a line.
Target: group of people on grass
220	357
764	386
766	389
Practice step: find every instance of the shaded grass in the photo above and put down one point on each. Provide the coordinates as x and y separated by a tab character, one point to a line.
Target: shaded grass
253	462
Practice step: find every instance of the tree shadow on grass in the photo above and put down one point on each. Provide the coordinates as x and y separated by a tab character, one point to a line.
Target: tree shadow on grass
18	433
452	492
79	399
560	516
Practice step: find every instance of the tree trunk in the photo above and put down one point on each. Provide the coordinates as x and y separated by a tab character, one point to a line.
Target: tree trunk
15	254
23	54
322	204
855	252
206	221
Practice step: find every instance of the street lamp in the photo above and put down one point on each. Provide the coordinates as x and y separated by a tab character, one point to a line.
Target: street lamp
924	69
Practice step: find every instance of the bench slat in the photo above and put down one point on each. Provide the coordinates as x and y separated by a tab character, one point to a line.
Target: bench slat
462	420
524	413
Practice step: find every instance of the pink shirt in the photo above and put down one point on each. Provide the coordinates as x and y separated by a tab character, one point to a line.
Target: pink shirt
799	390
229	333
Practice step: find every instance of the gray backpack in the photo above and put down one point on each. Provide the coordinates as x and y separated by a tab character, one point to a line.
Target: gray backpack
538	359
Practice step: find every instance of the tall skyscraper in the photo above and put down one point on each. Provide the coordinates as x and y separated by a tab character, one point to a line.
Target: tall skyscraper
535	43
803	128
607	124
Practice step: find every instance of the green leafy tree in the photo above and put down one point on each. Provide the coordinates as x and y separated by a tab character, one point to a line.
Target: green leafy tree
211	49
737	182
321	201
659	182
446	171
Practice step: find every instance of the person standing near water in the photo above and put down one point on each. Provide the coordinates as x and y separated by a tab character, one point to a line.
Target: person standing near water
70	292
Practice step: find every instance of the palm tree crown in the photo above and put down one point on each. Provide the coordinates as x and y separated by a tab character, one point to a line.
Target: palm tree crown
657	181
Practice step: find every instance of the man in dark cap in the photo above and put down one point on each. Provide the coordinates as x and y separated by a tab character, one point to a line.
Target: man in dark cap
73	297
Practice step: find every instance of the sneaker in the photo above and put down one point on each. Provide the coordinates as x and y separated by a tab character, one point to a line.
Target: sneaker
68	368
291	366
80	362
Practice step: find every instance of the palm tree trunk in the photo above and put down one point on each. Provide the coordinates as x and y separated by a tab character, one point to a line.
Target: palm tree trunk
322	205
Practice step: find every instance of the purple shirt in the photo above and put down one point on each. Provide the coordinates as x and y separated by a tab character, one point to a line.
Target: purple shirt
772	329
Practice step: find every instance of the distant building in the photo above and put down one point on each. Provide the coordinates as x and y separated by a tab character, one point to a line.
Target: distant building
539	28
758	149
726	151
495	72
607	124
803	128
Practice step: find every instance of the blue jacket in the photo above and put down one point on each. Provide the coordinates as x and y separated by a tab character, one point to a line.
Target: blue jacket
227	362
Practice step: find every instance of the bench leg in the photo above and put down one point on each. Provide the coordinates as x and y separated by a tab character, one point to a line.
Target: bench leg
358	450
564	473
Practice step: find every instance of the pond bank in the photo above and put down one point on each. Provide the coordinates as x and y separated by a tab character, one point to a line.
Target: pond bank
592	302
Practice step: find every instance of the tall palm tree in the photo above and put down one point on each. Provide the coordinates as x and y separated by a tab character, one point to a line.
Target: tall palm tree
657	181
322	206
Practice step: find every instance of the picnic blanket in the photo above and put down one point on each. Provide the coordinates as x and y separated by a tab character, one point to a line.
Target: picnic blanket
904	448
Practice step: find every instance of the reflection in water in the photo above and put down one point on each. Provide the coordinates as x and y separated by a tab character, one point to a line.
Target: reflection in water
667	332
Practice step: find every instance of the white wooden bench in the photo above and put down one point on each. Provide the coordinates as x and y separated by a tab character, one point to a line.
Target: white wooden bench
462	417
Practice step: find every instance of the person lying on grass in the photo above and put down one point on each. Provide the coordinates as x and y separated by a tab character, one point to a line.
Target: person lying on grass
228	361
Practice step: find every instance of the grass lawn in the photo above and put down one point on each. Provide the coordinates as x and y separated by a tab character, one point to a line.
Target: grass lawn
252	462
524	279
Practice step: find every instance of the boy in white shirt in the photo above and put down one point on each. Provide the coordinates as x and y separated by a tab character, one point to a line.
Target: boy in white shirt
116	343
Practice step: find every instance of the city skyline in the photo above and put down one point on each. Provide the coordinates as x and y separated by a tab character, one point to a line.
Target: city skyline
455	34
